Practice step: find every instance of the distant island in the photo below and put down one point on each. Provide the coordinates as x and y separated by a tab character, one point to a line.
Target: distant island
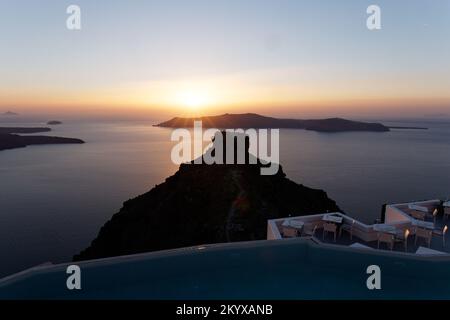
205	204
409	128
252	120
9	113
54	122
9	139
9	130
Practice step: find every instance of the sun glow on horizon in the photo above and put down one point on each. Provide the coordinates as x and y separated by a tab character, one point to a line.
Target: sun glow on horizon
193	99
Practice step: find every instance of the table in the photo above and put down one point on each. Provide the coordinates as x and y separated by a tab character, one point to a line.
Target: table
416	207
386	228
423	224
332	218
296	224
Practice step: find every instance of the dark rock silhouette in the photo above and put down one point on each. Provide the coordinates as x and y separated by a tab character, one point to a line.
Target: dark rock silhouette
7	130
251	120
409	128
203	204
9	113
54	122
9	140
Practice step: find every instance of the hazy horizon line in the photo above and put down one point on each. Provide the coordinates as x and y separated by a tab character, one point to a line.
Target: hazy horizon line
152	116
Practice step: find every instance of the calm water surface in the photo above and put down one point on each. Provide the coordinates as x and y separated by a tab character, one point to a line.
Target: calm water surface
54	199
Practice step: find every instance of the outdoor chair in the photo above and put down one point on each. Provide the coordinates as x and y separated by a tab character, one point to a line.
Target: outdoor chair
402	237
347	228
424	234
446	212
418	215
289	232
386	238
329	228
435	214
310	232
441	233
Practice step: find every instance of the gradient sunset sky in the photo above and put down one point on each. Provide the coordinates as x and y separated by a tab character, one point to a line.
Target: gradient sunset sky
190	57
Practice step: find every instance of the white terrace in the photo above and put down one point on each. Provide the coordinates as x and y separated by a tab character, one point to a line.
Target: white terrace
416	227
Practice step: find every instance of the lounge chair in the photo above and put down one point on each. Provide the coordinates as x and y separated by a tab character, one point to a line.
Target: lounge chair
348	228
329	227
441	233
424	234
386	238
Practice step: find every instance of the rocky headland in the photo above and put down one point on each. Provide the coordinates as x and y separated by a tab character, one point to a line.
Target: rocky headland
204	204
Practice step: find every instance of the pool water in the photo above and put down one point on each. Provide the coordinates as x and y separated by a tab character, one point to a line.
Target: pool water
286	269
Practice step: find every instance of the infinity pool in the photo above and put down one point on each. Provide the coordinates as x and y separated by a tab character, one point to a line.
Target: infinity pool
286	269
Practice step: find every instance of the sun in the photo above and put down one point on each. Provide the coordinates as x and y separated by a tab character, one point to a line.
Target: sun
193	99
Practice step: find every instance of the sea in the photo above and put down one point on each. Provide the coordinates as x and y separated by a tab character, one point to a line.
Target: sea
55	198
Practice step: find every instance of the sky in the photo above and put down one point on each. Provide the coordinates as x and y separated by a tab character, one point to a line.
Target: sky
288	58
